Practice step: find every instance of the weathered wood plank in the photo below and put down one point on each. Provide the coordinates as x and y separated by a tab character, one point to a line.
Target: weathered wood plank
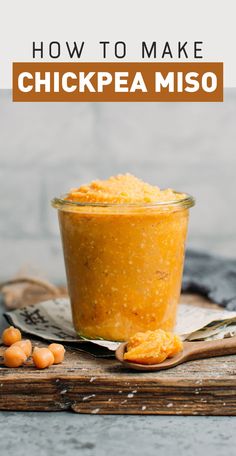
88	385
93	385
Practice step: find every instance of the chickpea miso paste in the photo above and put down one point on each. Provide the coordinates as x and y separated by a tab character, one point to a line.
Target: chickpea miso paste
123	243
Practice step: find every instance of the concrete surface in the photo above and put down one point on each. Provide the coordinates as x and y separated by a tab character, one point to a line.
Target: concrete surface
49	434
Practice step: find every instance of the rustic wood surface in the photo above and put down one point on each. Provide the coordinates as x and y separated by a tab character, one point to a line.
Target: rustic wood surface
86	384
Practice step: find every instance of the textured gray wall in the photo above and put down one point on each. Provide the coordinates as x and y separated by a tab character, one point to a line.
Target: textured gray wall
47	148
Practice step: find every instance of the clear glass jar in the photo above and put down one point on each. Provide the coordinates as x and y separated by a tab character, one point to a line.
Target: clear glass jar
124	264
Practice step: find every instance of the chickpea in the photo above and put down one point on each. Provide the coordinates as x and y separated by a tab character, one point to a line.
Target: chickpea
58	352
25	345
14	357
11	335
42	358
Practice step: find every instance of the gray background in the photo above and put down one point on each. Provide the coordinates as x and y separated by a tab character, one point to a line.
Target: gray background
47	148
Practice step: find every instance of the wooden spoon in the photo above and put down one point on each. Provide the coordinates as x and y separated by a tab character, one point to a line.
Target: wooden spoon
191	351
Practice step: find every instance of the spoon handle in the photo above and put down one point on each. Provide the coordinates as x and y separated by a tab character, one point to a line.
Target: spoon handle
208	349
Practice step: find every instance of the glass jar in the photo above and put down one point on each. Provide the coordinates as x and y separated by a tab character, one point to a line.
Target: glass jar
124	264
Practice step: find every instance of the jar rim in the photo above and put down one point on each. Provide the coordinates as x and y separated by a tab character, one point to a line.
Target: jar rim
186	202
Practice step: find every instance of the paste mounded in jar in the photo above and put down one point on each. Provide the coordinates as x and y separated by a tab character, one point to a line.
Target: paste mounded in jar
123	244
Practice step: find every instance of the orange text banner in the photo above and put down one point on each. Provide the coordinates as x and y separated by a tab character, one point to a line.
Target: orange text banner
102	81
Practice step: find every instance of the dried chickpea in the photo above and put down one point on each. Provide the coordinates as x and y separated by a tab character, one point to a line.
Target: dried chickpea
43	357
58	352
14	357
25	345
11	335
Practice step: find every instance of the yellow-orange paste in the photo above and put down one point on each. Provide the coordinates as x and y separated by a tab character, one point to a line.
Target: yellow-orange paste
124	256
152	347
122	189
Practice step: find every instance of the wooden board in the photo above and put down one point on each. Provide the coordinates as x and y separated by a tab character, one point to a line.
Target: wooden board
86	384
